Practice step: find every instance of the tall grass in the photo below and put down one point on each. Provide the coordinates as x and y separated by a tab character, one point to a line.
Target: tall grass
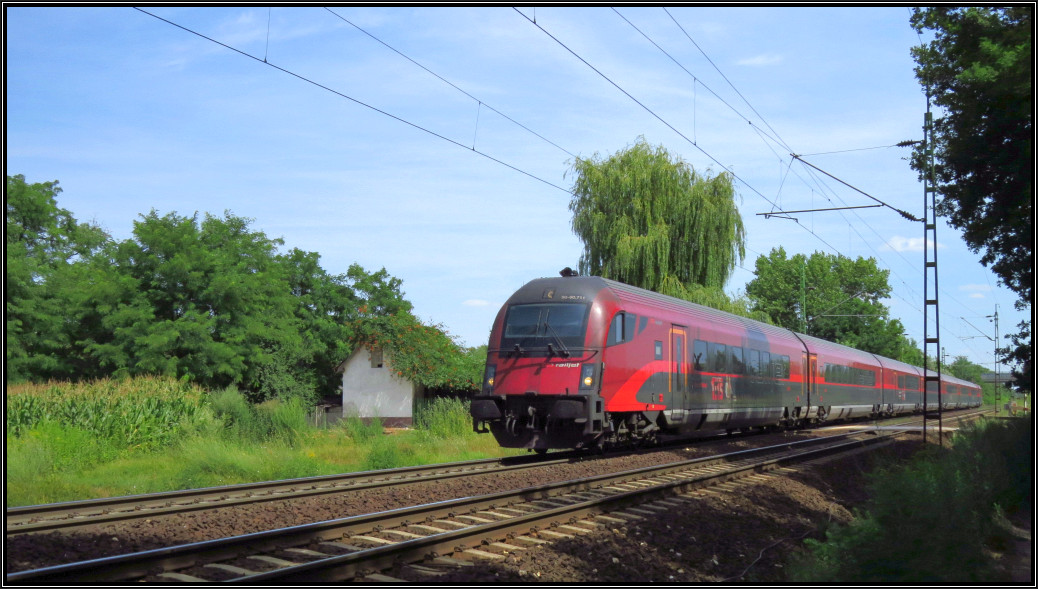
69	442
443	417
271	421
932	520
145	412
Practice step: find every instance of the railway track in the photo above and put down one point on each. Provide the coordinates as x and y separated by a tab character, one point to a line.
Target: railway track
437	535
93	512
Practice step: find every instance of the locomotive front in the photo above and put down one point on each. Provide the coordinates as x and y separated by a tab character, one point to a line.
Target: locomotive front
544	365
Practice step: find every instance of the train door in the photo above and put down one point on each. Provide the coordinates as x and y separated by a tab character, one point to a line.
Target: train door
808	383
679	367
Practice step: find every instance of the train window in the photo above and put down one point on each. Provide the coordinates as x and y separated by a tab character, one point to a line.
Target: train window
783	367
718	358
699	355
523	321
621	329
901	381
765	365
537	325
616	330
679	355
738	366
752	362
830	373
659	350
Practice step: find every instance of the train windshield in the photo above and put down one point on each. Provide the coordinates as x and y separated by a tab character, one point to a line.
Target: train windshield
533	327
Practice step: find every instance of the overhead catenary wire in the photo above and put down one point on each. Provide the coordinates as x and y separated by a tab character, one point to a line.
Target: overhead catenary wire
779	139
904	214
757	129
449	83
354	100
639	103
696	79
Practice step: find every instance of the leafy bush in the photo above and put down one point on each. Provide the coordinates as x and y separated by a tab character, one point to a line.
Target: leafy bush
931	520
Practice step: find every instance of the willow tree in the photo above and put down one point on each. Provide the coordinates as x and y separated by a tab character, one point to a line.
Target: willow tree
648	219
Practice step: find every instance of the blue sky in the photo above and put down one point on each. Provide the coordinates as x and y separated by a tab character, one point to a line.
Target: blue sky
130	113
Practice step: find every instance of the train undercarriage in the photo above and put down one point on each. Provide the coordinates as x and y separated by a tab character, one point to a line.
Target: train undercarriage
544	422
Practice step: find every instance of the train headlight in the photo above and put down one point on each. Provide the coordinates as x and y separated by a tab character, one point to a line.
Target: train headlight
587	376
488	378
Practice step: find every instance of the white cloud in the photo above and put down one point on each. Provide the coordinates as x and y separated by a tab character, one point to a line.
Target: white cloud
977	295
975	288
906	244
761	60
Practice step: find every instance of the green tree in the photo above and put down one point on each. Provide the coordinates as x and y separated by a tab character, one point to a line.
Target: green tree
842	299
649	220
44	247
979	70
206	301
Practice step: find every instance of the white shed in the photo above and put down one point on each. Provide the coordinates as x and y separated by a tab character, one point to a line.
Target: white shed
371	388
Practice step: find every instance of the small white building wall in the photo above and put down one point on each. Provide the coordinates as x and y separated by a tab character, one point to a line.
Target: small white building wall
369	391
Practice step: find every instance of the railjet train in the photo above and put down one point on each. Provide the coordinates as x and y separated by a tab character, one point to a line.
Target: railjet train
585	362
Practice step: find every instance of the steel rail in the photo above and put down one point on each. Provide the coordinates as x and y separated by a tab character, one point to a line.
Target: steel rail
90	512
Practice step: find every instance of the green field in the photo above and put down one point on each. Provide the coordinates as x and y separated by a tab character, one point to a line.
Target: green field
67	442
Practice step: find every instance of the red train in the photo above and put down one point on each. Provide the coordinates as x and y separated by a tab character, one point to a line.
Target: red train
583	362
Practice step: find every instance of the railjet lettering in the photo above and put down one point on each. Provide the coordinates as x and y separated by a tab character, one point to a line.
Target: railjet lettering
566	365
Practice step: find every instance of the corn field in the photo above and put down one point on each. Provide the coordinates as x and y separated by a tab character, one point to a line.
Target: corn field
140	411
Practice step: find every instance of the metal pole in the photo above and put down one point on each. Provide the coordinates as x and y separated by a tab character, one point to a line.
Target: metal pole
930	263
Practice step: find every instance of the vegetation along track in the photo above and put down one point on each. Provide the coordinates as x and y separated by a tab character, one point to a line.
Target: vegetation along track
362	545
